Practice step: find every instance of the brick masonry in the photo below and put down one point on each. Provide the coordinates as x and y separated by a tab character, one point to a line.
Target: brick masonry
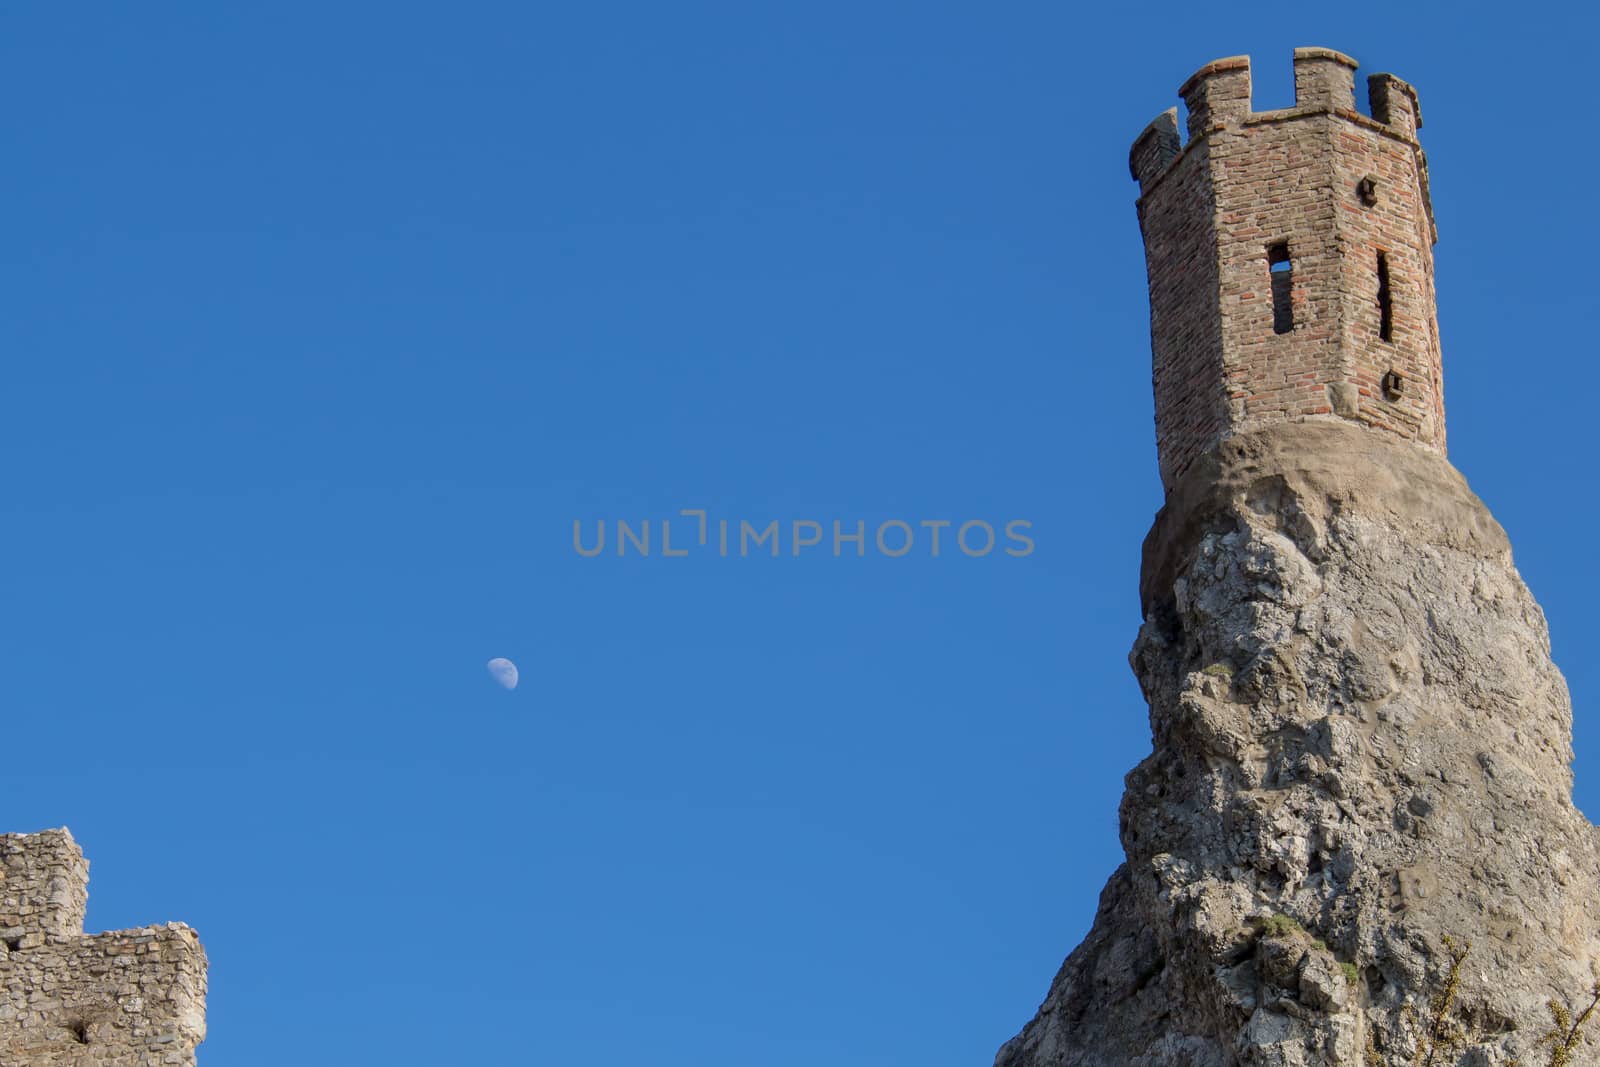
132	998
1335	188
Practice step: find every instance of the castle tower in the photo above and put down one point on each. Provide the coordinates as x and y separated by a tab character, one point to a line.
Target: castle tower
1290	259
1360	749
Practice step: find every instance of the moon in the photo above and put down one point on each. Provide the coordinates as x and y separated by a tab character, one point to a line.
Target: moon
503	671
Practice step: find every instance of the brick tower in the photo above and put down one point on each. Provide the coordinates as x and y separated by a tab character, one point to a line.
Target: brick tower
1290	258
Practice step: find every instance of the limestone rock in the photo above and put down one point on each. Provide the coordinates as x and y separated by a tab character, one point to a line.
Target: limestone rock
1360	746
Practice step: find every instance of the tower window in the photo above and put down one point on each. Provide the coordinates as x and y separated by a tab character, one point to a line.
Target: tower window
1281	270
1385	300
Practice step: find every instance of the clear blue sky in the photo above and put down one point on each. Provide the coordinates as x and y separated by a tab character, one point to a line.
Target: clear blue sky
323	322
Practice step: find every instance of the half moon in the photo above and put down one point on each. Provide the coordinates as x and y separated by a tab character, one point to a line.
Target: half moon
504	672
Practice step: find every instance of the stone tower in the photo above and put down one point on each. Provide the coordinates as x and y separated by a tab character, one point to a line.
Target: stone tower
1290	256
132	998
1361	750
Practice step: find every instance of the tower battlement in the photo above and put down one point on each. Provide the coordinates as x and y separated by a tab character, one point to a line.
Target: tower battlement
1290	259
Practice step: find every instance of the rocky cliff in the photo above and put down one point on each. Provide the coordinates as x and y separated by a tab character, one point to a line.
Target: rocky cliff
1361	748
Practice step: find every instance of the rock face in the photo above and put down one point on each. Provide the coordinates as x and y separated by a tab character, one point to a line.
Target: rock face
1360	746
133	998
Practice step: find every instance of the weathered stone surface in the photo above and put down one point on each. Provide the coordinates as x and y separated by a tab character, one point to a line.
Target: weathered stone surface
132	998
1360	745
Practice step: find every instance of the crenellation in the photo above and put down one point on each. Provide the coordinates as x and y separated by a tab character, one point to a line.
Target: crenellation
129	998
1155	149
1394	103
1216	95
1324	80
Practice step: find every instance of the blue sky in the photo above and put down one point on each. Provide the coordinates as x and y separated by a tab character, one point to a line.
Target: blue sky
324	322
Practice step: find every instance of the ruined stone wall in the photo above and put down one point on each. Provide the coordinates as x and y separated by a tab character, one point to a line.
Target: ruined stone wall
1324	189
131	998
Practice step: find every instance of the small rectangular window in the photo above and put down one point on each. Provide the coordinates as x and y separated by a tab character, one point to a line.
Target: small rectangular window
1281	271
1385	300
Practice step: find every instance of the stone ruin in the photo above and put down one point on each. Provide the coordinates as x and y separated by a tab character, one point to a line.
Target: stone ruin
129	998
